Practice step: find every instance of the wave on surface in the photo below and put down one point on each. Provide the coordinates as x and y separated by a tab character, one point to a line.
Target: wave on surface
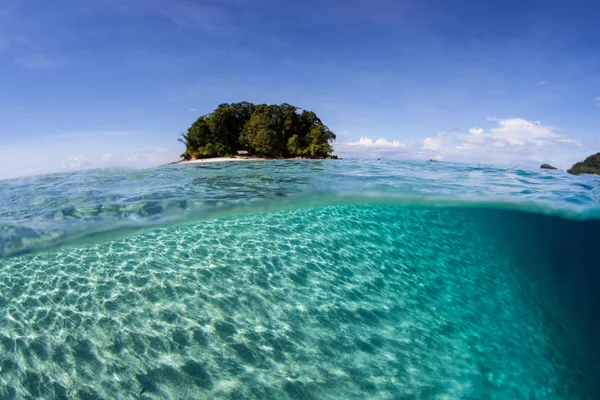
54	210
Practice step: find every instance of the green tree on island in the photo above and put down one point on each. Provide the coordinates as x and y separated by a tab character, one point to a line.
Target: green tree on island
273	131
590	165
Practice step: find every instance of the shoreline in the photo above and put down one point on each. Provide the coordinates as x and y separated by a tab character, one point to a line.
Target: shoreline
219	159
243	158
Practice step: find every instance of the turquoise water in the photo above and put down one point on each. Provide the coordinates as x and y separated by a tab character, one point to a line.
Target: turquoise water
301	279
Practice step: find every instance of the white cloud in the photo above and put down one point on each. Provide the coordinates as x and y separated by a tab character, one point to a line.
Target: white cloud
83	150
79	162
433	143
518	131
192	109
379	143
82	162
366	147
141	158
514	141
542	83
568	140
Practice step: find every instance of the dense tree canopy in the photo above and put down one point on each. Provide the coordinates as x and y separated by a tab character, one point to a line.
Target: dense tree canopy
590	165
261	130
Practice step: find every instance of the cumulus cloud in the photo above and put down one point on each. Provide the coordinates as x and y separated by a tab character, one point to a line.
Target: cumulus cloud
83	150
79	162
366	147
379	143
82	162
518	131
140	158
510	140
433	143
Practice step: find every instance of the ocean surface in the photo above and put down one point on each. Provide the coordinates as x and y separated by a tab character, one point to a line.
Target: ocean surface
301	279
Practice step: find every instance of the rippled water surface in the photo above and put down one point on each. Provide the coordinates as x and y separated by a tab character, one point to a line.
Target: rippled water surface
300	279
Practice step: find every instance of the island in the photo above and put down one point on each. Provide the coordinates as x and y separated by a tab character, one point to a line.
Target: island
547	166
258	130
590	165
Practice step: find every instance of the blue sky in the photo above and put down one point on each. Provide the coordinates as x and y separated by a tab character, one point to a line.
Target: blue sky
114	82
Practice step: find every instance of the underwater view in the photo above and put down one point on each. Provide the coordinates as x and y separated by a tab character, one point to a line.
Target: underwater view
308	279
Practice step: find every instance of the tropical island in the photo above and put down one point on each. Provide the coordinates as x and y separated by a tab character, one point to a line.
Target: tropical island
258	130
590	165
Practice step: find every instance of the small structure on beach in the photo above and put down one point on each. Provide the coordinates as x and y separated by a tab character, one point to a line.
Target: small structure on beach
242	152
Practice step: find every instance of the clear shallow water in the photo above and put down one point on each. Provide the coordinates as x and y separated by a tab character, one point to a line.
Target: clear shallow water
318	279
49	210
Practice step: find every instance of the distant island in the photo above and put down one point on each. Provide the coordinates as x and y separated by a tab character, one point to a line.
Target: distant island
258	130
590	165
547	166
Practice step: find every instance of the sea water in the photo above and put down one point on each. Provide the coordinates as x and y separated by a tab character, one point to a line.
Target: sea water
301	279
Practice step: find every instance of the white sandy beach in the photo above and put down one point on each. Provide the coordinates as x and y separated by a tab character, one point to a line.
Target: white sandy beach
221	159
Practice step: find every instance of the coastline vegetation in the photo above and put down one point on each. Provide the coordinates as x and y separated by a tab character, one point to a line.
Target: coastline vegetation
260	130
590	165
